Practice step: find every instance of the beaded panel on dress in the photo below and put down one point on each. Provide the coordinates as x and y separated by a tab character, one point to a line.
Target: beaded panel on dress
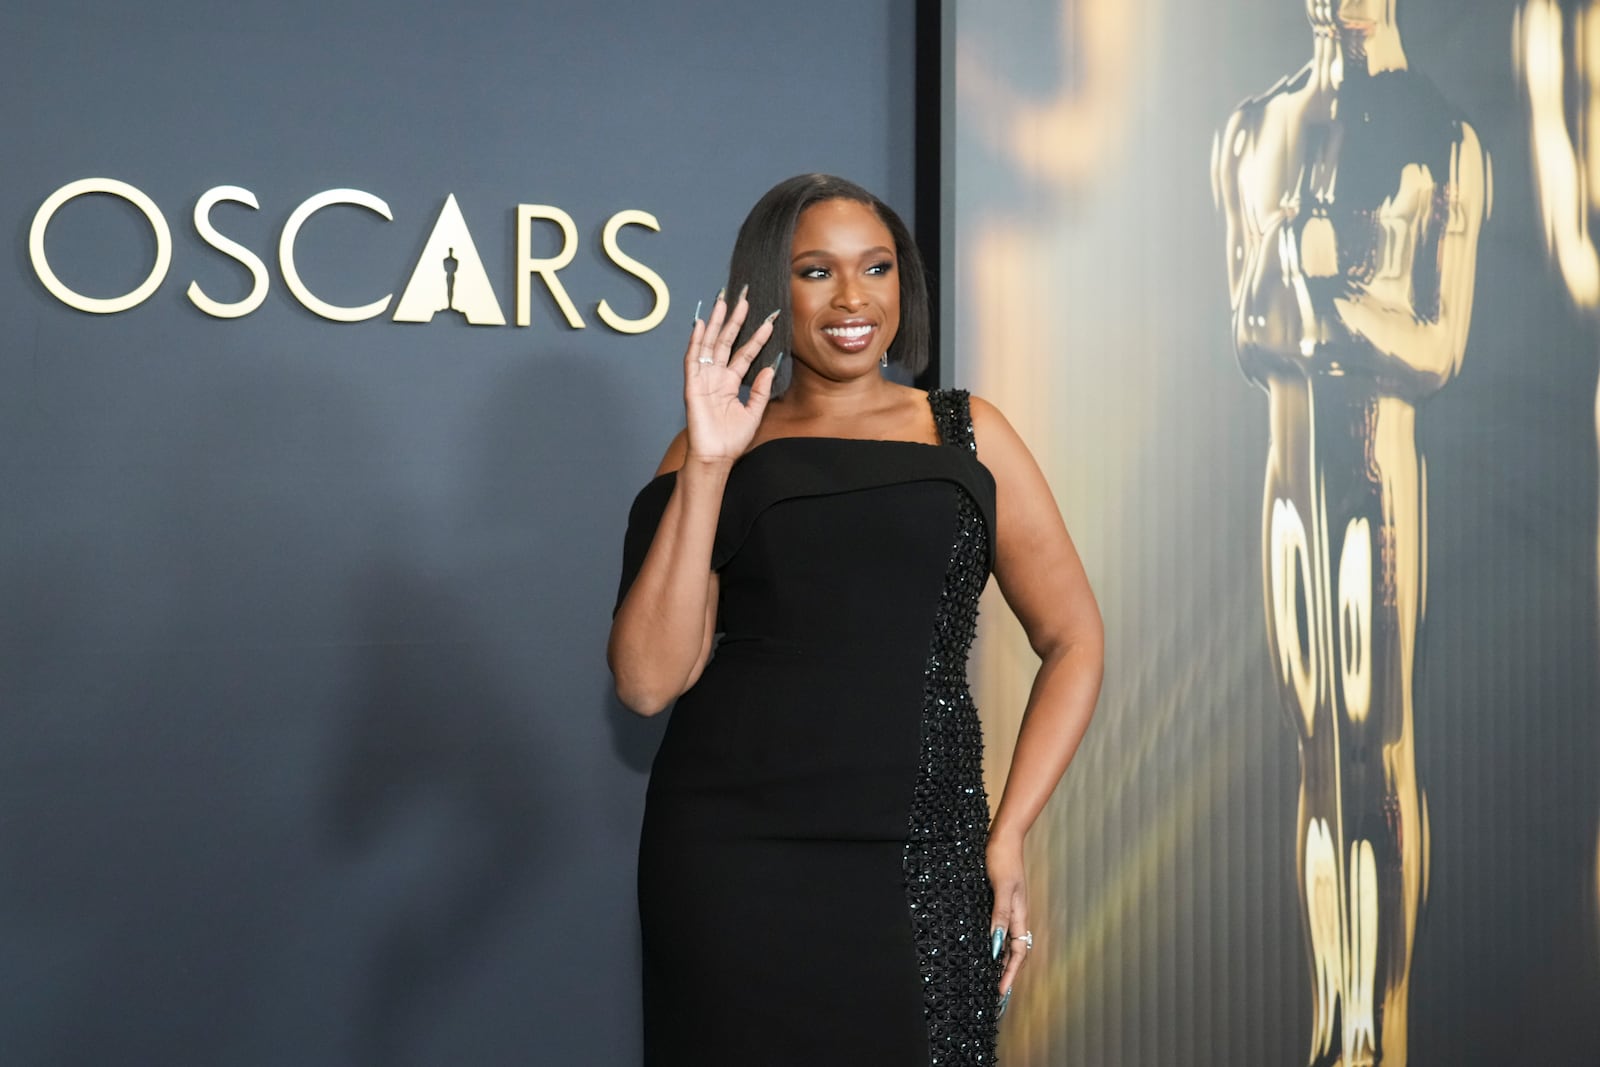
947	885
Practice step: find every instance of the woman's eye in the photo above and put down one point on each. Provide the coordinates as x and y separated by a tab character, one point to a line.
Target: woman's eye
881	268
813	272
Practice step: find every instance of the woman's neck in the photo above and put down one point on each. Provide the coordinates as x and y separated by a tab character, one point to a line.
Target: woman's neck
813	397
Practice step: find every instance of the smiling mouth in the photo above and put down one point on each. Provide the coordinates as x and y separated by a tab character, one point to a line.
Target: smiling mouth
851	338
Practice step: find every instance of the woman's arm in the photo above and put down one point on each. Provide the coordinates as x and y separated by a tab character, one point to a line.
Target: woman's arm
661	633
1043	581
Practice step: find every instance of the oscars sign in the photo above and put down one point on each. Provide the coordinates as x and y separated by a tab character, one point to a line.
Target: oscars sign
449	274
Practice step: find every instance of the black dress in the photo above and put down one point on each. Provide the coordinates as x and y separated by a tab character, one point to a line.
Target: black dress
812	888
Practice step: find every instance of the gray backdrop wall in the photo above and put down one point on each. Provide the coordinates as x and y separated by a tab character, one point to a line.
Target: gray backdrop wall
307	748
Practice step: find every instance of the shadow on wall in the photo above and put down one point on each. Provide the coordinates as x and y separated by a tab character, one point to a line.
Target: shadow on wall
438	788
467	768
561	465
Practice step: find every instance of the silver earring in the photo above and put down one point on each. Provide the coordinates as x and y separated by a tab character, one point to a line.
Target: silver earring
884	360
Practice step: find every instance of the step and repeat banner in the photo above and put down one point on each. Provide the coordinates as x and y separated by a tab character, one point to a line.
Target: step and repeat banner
335	339
1299	306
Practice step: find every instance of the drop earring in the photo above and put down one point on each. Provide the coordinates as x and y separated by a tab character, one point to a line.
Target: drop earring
883	360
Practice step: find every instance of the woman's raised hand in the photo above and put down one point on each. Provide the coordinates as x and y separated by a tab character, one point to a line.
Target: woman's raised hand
721	427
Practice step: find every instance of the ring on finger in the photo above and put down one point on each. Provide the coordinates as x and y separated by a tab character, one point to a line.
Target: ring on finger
1026	937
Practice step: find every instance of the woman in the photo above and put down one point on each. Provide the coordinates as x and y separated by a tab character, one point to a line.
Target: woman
819	878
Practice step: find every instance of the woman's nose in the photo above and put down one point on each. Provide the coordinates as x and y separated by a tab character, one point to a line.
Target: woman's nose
849	295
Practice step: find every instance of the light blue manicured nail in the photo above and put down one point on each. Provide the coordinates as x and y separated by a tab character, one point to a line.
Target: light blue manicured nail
997	939
1001	1010
777	363
697	304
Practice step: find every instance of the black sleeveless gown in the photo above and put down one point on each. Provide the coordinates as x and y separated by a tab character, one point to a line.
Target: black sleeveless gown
812	888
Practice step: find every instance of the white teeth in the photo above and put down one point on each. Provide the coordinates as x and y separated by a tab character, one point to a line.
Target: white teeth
849	333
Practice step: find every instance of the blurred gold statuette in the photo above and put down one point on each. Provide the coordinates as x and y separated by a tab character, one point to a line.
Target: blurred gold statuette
1353	195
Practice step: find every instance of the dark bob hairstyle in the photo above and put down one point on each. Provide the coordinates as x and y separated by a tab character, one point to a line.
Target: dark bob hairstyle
761	260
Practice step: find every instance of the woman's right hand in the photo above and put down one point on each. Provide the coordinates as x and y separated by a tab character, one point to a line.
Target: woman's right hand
720	426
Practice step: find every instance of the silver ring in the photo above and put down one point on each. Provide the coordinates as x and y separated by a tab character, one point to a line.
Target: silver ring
1026	937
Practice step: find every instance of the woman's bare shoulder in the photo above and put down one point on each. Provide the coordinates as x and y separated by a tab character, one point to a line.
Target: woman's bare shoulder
987	420
1000	447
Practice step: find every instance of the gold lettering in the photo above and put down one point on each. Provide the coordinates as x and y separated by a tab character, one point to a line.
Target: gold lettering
464	287
111	187
545	268
608	240
291	276
231	248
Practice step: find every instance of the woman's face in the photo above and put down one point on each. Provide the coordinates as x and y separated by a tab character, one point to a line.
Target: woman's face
844	288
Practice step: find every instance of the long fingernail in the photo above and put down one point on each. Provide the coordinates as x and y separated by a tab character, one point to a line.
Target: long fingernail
743	289
722	294
997	939
1001	1010
776	363
697	304
768	320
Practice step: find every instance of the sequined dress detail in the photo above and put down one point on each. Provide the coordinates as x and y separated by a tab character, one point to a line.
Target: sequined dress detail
947	886
811	867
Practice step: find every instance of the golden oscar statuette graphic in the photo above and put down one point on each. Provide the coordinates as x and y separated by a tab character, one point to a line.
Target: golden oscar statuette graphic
1353	194
1557	52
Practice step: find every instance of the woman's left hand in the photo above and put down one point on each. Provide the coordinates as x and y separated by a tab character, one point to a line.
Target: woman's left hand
1010	918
